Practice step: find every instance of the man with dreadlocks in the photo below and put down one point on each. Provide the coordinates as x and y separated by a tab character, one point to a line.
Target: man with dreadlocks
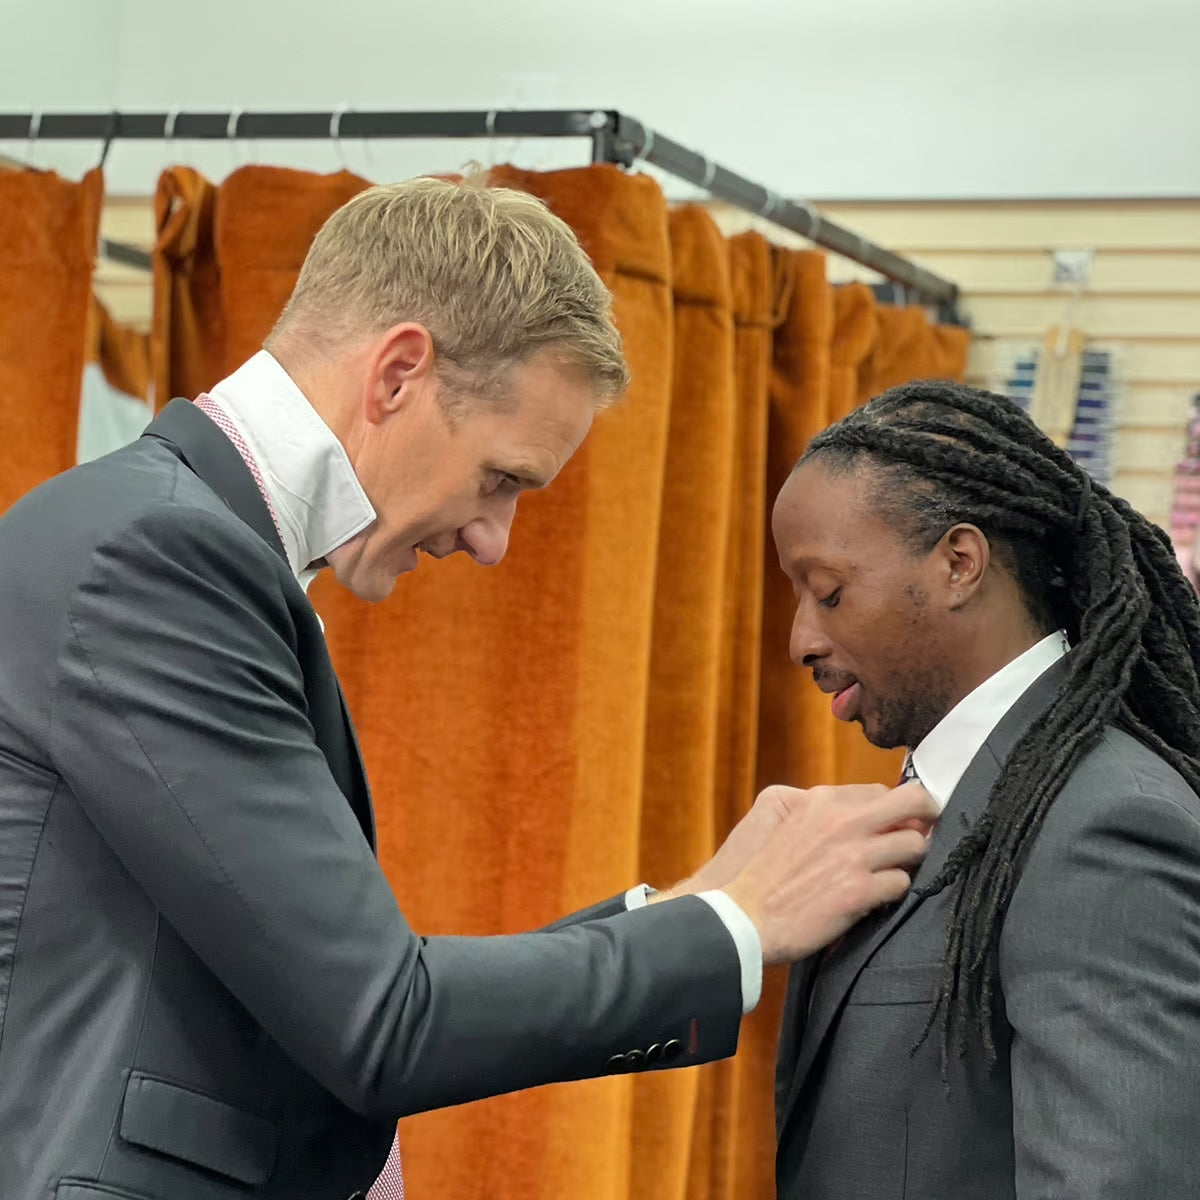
1026	1023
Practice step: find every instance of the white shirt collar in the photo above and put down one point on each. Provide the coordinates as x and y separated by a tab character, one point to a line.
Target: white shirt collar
946	752
317	496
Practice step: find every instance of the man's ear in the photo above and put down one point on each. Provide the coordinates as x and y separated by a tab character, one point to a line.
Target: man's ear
400	363
964	554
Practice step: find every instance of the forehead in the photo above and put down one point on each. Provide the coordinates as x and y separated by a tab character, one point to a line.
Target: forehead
547	410
825	516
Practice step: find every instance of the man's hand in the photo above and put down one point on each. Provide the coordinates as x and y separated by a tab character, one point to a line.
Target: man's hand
749	835
821	859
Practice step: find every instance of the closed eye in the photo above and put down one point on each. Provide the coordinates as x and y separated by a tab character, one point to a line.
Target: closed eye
831	601
502	481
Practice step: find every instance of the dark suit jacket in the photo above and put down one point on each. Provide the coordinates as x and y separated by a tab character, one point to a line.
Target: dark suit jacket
206	988
1097	1091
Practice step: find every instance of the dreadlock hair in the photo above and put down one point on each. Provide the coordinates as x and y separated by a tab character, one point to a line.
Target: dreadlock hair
941	454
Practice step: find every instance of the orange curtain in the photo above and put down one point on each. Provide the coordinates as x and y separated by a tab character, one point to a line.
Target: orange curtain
121	351
187	330
620	684
858	330
677	828
48	236
796	742
909	346
733	1152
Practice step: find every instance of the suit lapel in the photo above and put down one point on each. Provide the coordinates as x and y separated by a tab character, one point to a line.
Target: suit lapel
842	964
215	460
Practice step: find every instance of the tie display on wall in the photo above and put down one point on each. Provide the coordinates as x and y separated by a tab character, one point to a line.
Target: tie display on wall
1080	419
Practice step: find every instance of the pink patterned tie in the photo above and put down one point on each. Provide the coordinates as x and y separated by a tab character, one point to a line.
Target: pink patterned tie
218	416
390	1184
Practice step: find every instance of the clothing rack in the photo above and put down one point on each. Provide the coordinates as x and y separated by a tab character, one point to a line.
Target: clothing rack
615	138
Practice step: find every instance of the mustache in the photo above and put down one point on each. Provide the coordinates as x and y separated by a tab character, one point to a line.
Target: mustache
832	681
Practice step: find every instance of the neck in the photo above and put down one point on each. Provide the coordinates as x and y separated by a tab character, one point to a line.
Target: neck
989	649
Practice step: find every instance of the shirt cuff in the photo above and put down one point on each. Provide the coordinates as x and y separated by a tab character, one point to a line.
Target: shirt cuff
741	929
746	939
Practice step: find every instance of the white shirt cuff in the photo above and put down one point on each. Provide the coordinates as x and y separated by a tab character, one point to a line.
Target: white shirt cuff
748	943
741	929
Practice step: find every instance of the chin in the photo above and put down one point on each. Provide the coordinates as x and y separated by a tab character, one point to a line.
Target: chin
369	586
884	739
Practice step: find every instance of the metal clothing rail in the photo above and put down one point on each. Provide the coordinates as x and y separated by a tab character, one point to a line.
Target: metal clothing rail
615	138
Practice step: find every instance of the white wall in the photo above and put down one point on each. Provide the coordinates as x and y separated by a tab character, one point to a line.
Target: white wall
842	98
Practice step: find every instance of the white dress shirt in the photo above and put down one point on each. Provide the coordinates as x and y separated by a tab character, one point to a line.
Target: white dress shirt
321	504
947	750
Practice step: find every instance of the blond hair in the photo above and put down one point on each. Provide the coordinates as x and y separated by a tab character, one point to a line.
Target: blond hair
490	272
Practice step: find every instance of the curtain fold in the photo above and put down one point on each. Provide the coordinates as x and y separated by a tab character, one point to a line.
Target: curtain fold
858	326
909	346
265	218
121	352
678	826
736	1153
796	744
48	236
187	326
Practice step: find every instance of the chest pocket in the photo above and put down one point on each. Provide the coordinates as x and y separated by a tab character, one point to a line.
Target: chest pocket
896	983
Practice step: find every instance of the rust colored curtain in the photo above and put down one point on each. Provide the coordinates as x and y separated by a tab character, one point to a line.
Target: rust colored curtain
733	1152
910	347
857	333
796	743
122	352
220	283
187	330
48	232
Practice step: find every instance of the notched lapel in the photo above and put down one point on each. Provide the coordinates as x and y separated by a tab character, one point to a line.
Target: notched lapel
214	458
843	963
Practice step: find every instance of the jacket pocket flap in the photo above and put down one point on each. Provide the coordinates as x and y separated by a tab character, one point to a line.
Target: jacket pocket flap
184	1124
896	983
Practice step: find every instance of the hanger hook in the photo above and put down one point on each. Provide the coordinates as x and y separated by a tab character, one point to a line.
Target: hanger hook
35	127
647	146
169	124
109	133
335	132
232	135
710	173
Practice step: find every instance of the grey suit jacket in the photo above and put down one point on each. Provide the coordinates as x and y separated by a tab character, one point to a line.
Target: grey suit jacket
1097	1090
207	990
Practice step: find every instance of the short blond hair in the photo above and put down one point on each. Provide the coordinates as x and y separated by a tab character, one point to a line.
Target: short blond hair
492	273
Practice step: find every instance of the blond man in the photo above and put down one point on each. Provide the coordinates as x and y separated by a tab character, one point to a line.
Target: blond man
206	985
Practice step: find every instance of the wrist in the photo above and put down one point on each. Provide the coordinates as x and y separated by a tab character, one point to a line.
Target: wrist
750	902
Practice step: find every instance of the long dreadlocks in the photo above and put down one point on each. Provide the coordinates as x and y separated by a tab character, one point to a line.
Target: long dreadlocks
941	454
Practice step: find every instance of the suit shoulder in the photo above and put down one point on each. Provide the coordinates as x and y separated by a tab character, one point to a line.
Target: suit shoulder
129	507
1121	781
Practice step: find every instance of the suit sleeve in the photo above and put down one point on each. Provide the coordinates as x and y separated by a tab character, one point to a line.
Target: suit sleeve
179	721
1100	967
